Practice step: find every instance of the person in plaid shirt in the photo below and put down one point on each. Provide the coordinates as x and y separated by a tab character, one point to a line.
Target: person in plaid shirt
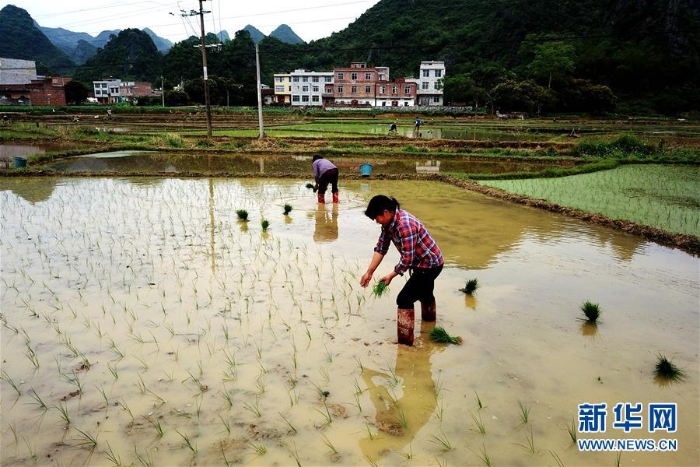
420	255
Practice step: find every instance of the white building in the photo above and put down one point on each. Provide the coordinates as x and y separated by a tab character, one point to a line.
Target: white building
308	87
430	83
107	91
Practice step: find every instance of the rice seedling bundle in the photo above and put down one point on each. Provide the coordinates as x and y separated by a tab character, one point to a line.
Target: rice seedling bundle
438	334
380	288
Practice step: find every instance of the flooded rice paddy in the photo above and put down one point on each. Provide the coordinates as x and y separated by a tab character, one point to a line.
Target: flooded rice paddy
161	162
144	324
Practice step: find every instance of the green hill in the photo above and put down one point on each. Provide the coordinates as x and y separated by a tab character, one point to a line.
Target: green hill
20	38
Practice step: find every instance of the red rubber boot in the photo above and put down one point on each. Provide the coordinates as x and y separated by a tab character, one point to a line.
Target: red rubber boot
336	197
405	320
428	311
321	198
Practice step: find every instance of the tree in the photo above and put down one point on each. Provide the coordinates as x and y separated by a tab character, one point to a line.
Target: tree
552	60
76	92
525	96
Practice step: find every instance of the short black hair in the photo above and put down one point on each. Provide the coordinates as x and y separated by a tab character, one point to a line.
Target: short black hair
317	157
379	204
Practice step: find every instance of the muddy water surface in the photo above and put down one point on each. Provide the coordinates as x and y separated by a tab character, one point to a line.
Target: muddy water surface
143	315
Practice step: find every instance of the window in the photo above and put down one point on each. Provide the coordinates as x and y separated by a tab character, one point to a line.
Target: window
304	89
315	99
382	90
424	85
314	79
295	79
394	89
368	89
341	89
436	85
305	79
438	73
314	88
329	79
279	88
295	98
305	98
407	90
436	99
354	90
353	76
279	79
368	76
341	75
426	73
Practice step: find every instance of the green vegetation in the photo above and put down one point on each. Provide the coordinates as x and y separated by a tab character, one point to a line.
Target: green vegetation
438	334
592	311
242	214
661	196
668	370
470	287
380	288
287	209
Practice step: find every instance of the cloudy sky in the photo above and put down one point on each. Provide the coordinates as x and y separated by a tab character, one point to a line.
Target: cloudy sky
310	19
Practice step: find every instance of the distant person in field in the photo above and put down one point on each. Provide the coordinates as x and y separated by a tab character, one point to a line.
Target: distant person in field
420	256
392	128
417	126
325	173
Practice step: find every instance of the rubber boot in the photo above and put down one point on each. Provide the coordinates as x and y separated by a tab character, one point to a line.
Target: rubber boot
428	311
336	196
321	197
405	320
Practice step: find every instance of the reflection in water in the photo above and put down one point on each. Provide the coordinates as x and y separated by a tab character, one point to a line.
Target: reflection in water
470	301
326	227
34	190
589	329
428	167
404	398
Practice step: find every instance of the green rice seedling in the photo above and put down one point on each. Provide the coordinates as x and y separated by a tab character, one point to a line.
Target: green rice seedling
259	448
289	424
530	443
442	441
572	431
369	431
618	459
5	377
295	455
403	420
557	459
87	439
101	389
39	401
408	455
327	414
287	209
252	408
310	186
112	456
380	288
32	454
227	424
113	370
242	215
265	224
478	401
438	334
483	456
188	441
667	370
524	411
479	423
144	461
470	287
62	409
329	444
592	312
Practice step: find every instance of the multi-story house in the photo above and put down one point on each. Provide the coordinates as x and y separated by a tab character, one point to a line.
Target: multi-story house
356	85
397	93
430	87
107	91
308	87
283	88
132	90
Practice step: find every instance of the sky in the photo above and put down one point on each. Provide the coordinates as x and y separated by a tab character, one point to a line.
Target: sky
309	19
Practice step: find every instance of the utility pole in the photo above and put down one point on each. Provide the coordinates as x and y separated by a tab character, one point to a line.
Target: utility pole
257	69
162	90
203	44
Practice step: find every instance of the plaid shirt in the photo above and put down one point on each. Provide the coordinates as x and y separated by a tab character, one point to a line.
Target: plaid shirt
416	246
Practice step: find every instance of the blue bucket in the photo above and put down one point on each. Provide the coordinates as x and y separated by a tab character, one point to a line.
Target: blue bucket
20	162
366	170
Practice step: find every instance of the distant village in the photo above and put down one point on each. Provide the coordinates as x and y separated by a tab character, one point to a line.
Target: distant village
356	86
